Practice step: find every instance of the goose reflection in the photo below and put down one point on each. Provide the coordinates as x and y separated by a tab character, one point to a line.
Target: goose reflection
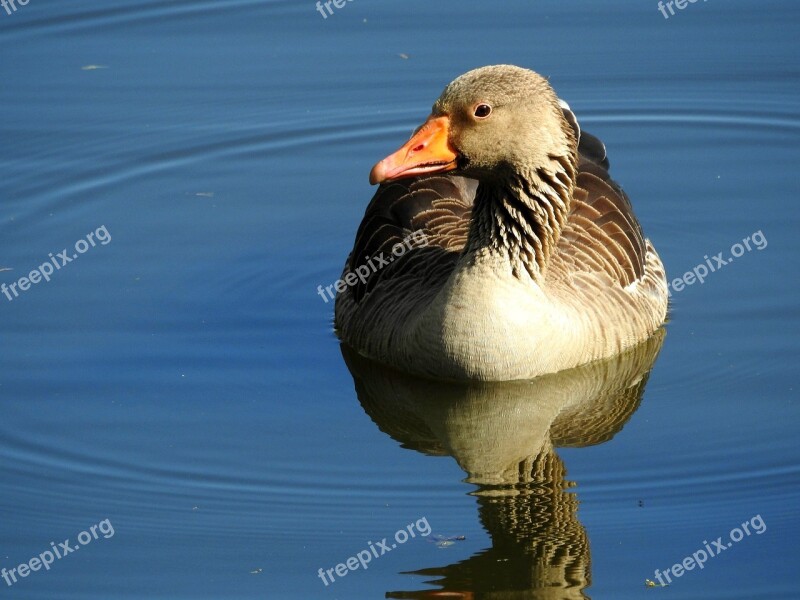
504	435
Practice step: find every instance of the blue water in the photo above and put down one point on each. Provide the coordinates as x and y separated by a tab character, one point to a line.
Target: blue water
182	380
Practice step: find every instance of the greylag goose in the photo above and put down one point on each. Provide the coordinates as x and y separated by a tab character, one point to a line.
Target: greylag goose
528	257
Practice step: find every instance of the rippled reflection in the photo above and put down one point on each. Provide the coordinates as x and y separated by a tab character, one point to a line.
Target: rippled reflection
504	436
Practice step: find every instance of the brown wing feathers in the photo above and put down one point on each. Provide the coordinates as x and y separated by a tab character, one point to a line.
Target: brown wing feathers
438	207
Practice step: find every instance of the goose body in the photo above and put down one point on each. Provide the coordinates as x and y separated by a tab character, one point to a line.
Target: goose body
528	257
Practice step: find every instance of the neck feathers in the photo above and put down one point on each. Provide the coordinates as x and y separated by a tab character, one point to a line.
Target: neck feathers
520	218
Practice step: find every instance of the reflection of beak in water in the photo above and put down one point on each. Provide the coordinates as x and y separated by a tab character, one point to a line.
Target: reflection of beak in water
503	435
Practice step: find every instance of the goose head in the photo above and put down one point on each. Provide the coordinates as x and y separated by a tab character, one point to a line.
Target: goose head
494	123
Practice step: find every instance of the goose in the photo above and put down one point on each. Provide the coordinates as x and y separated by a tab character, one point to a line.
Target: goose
527	257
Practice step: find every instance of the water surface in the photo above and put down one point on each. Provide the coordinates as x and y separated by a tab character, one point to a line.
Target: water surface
183	381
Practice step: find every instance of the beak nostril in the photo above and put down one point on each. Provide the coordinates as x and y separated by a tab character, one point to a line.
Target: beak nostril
418	148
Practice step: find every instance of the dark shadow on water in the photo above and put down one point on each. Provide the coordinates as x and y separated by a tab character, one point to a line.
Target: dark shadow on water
504	435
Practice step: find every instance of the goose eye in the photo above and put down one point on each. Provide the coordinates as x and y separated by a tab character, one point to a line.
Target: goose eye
482	111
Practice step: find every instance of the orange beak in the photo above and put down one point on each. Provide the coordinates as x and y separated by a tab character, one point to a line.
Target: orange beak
428	151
